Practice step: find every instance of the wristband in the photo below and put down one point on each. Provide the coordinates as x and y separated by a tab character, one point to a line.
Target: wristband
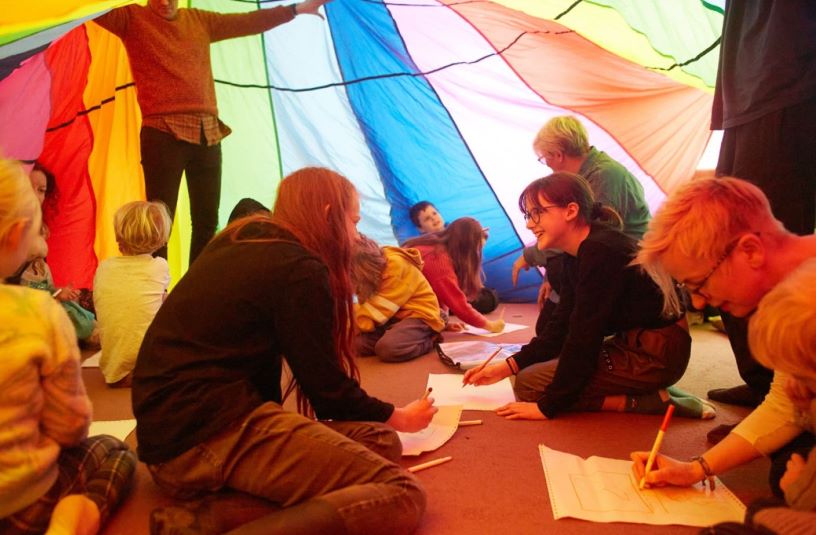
510	362
294	10
709	474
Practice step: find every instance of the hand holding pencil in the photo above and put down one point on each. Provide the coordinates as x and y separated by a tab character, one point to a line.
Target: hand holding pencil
487	373
414	416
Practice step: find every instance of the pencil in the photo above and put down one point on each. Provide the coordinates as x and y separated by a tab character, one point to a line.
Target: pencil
485	363
429	464
465	423
656	446
427	393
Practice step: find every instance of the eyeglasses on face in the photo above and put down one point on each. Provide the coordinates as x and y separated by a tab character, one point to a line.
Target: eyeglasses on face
534	215
697	287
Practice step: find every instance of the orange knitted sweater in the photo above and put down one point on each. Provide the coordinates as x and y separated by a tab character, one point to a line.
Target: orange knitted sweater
170	59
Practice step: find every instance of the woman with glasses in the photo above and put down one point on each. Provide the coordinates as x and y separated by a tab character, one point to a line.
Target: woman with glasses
452	263
608	345
207	390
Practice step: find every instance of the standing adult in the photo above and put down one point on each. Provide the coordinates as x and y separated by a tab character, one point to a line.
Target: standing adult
169	53
765	102
207	384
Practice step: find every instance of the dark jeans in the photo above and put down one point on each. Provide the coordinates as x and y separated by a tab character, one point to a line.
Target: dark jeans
164	158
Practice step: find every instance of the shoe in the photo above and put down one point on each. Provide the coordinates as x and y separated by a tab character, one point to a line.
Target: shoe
720	432
742	395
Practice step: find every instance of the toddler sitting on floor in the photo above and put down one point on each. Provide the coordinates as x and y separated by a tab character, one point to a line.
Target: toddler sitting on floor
129	289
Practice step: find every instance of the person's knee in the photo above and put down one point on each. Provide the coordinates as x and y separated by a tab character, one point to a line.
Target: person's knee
529	384
392	350
379	438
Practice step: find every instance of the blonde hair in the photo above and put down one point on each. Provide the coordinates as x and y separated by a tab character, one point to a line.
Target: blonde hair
699	221
782	332
565	134
17	199
142	227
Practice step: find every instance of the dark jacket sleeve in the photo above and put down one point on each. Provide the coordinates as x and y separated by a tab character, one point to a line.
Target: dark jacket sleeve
304	320
597	287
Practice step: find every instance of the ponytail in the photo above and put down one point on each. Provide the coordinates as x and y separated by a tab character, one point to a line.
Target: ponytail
605	214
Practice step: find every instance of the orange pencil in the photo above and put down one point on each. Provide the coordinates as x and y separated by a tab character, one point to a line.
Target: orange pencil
485	363
656	446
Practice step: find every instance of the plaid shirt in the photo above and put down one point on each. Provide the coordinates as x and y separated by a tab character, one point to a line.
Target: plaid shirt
195	128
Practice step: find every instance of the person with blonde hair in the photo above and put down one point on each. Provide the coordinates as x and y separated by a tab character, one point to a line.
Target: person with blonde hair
718	238
562	144
129	289
608	345
55	477
397	313
207	391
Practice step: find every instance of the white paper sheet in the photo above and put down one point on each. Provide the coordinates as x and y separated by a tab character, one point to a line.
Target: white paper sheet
471	354
115	428
442	427
604	490
448	390
92	361
508	328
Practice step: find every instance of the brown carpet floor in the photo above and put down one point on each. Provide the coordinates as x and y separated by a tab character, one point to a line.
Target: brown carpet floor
495	483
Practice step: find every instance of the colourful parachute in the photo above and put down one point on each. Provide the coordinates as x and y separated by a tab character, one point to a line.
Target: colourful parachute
410	99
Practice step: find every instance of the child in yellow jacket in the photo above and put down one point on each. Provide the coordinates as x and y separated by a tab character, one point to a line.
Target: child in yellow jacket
397	313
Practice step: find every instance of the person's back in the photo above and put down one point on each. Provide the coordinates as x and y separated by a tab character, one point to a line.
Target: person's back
129	289
613	185
44	406
54	477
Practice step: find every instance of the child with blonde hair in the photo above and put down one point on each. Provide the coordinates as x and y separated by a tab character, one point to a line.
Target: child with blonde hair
55	478
782	336
129	289
397	313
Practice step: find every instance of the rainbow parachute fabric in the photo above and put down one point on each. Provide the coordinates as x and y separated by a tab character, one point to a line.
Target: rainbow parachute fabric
410	99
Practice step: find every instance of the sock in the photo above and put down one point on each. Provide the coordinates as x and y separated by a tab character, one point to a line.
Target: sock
685	405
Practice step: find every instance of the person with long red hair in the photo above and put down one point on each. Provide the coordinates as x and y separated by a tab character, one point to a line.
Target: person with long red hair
207	384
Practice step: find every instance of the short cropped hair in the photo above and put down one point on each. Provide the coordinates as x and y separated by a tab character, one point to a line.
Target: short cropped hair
17	198
701	219
782	331
565	134
142	227
417	209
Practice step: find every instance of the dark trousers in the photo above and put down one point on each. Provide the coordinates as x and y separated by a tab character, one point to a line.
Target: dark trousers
755	375
775	152
164	158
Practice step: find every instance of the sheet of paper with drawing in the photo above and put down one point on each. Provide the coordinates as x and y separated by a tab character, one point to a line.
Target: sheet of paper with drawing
447	390
466	355
604	490
508	328
440	430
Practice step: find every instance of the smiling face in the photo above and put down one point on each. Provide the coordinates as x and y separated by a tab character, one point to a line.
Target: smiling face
547	221
430	220
166	9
